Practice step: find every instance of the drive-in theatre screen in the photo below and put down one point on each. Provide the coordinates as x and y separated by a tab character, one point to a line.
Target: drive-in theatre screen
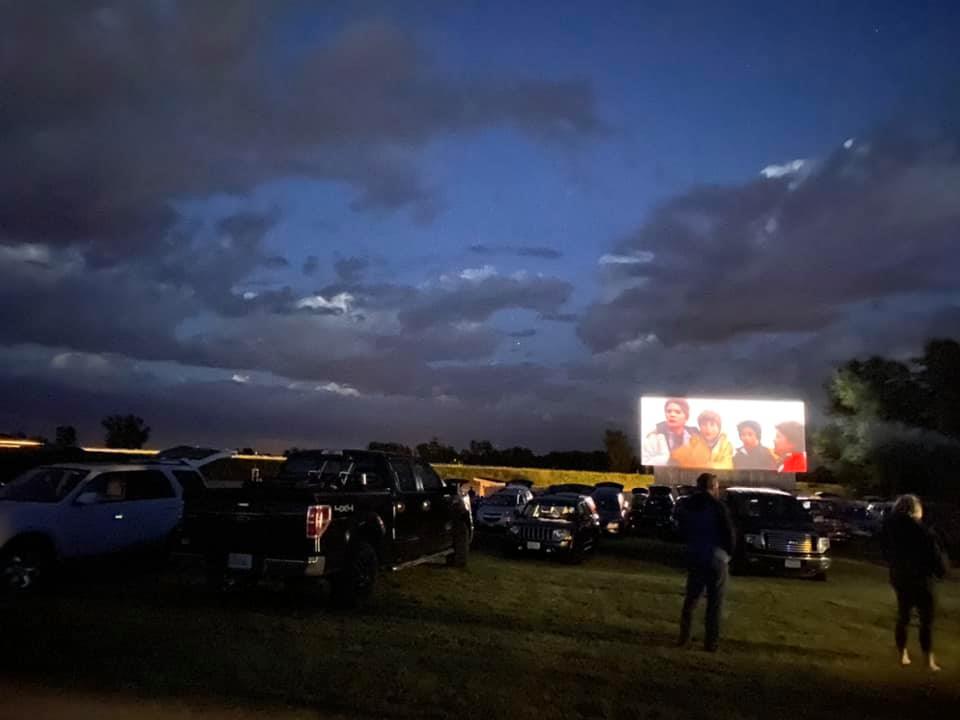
715	434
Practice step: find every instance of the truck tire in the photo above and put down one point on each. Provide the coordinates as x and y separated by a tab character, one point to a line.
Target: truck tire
24	567
353	585
461	545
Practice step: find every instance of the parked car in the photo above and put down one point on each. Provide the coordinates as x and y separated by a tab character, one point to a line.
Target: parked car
335	515
565	524
612	508
56	513
776	533
576	488
828	517
497	511
657	515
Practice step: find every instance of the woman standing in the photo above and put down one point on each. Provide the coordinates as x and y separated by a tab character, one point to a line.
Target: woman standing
915	560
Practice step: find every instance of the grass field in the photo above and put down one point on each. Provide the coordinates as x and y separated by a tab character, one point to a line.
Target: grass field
518	638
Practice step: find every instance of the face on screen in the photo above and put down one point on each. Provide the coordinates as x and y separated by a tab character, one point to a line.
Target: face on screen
675	417
709	429
781	445
749	438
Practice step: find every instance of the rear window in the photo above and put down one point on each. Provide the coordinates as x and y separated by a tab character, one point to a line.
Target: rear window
191	483
148	485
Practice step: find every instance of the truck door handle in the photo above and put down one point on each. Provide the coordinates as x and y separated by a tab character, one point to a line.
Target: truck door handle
426	505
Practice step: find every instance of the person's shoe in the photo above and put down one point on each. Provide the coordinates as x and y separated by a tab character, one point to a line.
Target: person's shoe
904	658
932	664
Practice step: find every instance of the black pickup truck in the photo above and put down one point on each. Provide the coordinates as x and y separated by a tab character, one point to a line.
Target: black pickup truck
338	515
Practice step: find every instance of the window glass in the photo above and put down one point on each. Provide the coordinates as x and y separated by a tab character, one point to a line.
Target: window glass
148	485
405	478
191	483
109	487
429	479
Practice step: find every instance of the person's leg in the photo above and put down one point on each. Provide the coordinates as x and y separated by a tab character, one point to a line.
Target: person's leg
925	609
716	591
694	589
904	604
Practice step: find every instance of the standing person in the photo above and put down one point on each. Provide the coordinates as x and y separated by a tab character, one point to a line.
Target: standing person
670	434
915	560
707	528
752	455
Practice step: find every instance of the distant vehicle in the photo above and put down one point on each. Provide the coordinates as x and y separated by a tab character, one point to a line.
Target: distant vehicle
657	515
222	468
828	517
612	508
565	524
776	533
55	513
336	515
497	511
577	488
638	496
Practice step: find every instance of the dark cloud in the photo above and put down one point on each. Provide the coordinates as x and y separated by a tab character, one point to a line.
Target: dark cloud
559	317
877	219
475	299
351	269
544	253
311	265
276	262
529	332
116	110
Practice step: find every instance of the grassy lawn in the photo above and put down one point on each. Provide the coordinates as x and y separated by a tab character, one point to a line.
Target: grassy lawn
505	638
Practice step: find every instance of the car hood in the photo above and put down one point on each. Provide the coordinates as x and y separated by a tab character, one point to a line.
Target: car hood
495	510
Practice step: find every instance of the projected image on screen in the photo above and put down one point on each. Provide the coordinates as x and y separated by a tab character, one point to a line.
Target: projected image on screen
723	434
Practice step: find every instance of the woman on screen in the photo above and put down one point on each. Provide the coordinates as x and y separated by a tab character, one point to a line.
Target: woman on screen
788	447
709	450
752	455
670	434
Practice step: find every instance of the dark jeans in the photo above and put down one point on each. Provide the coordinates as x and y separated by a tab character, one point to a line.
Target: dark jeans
921	598
709	577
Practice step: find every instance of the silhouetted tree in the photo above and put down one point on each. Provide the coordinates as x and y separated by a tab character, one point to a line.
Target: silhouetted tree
125	431
66	436
390	447
619	451
436	452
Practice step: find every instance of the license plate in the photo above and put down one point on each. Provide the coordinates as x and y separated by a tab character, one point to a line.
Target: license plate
792	564
240	561
533	545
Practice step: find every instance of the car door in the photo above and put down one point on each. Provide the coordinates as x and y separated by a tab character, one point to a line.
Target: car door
97	521
154	507
437	506
410	525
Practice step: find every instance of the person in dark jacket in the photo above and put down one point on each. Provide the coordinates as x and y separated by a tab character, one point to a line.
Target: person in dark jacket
705	524
915	560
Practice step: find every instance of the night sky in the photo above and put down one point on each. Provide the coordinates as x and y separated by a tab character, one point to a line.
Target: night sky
276	223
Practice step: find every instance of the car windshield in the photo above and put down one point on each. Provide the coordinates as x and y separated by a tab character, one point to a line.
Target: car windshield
659	491
508	499
607	502
549	510
771	507
45	485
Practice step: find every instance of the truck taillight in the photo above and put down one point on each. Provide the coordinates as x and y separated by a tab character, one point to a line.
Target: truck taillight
318	520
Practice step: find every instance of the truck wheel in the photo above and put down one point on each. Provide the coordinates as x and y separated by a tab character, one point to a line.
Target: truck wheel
24	567
353	586
461	545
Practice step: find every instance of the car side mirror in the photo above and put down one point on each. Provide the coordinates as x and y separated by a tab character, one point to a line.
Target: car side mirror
86	498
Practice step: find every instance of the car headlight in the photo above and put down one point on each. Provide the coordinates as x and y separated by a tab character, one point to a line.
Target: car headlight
561	534
514	530
754	540
823	544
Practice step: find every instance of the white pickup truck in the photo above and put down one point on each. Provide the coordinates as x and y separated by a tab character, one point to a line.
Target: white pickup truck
62	512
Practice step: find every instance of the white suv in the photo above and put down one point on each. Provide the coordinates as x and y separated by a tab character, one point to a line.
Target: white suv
61	512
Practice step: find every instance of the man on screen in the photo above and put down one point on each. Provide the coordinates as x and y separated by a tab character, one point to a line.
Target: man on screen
710	449
752	455
669	435
788	447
